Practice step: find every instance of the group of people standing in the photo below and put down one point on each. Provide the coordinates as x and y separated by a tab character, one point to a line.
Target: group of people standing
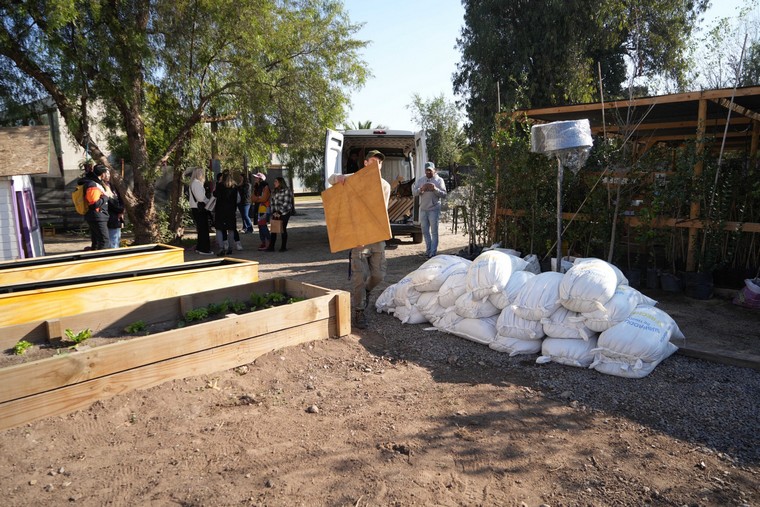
232	194
105	208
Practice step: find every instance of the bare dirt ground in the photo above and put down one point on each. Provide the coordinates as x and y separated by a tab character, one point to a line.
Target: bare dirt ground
397	415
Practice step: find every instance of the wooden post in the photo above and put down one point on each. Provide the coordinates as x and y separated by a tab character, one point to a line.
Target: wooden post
691	258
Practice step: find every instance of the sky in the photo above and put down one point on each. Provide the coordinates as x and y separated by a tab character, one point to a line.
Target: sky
413	50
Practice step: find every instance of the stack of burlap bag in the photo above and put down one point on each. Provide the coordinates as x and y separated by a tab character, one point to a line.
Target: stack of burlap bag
586	317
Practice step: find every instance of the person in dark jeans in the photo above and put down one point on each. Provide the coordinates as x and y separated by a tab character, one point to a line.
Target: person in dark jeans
198	201
282	209
97	212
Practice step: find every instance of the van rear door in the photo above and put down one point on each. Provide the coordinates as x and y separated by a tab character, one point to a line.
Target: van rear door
333	154
420	153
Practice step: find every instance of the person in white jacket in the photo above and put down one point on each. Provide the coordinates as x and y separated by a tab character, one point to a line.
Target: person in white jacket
367	262
431	189
198	203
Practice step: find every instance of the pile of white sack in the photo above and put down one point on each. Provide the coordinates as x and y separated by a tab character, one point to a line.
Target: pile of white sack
586	317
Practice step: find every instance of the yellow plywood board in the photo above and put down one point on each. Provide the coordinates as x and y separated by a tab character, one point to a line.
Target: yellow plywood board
122	290
24	150
355	211
59	267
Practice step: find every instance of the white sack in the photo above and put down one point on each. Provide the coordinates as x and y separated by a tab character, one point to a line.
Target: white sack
534	265
433	272
454	286
448	320
509	324
567	351
490	272
514	347
385	301
477	330
409	315
539	296
617	309
429	307
589	284
634	347
621	367
566	324
470	308
505	297
406	294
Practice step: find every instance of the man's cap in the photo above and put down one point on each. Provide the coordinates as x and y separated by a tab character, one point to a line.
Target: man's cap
260	176
429	165
99	170
374	153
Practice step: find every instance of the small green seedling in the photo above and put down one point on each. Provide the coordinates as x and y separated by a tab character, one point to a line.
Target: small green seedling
20	348
135	327
276	298
196	314
238	307
79	337
258	301
295	300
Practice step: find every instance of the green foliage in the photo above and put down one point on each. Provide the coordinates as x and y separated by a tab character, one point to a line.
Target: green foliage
258	301
21	347
292	300
196	314
238	307
276	298
136	327
440	120
546	53
79	337
269	73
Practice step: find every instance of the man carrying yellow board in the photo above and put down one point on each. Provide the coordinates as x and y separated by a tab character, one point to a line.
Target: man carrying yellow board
356	213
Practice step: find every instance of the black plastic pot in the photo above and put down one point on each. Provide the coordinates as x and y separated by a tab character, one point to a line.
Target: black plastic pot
698	285
670	282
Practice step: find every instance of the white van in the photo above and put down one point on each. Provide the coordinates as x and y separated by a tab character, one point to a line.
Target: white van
405	156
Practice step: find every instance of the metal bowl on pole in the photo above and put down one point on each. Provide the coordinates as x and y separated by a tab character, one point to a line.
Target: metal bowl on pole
570	142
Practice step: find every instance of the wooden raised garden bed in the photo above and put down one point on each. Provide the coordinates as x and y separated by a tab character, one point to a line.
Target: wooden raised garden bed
50	300
57	267
75	379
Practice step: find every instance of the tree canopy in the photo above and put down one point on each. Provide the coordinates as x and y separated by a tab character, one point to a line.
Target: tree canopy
440	120
276	70
546	52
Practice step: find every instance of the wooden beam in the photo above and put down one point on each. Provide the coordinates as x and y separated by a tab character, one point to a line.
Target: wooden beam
670	125
660	223
642	101
694	209
47	374
733	106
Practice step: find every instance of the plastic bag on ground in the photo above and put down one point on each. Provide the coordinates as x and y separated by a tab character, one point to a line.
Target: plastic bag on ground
429	307
406	294
409	315
385	301
749	295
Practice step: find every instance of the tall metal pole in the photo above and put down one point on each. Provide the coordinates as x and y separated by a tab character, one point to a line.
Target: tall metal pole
559	215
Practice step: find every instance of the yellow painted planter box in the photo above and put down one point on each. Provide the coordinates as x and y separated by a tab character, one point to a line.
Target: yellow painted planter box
61	298
70	265
69	382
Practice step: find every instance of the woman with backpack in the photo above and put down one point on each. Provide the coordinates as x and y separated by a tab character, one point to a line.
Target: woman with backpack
260	200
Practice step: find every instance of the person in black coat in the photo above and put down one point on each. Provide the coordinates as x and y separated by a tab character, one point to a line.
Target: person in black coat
225	214
97	202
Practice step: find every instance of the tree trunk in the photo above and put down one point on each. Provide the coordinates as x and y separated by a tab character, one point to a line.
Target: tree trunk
175	210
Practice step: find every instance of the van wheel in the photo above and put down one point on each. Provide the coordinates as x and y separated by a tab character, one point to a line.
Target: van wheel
417	237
